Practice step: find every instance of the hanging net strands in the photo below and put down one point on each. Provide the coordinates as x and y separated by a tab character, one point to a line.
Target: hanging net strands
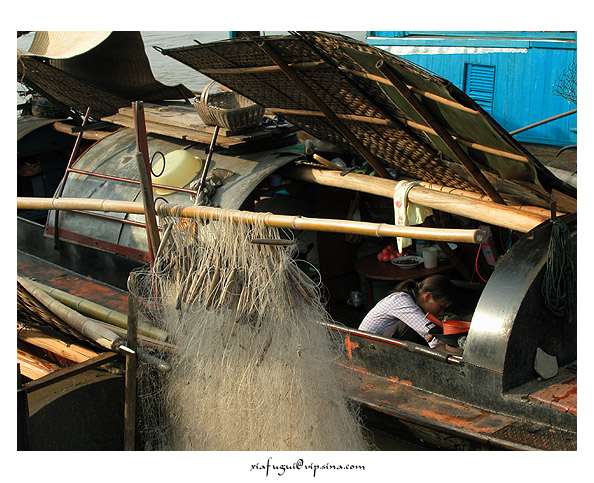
253	369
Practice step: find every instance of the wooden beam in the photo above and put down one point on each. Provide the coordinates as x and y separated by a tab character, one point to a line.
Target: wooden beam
460	155
144	169
130	378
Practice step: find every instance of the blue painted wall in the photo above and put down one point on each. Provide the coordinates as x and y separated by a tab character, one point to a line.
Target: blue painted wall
525	67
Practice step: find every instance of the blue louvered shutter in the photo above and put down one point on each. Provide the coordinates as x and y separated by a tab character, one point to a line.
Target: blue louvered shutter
479	84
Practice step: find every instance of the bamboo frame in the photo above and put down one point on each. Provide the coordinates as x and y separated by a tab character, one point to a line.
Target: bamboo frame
428	95
459	154
279	221
330	115
318	63
262	68
414	125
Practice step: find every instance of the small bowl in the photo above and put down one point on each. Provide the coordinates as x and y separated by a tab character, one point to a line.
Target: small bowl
407	262
455	327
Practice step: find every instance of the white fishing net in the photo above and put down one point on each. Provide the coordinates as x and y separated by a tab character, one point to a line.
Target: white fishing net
253	368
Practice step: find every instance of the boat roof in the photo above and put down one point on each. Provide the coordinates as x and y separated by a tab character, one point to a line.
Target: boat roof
338	89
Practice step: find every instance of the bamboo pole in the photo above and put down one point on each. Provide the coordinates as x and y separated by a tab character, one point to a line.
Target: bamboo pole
278	221
84	325
415	125
99	312
428	95
476	209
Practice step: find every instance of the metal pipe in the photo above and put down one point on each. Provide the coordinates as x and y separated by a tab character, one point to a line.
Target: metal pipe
60	189
130	181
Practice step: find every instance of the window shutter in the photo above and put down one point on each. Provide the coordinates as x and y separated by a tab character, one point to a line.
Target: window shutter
479	84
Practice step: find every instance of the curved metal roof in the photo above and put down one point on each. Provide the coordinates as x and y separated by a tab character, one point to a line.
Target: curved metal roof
114	156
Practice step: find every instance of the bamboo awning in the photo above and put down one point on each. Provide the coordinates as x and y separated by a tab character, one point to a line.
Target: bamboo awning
350	94
100	70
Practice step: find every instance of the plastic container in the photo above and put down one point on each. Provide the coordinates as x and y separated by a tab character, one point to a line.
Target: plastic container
430	257
181	167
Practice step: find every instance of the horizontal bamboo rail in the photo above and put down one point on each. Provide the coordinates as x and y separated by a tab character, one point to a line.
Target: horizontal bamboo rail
428	95
476	209
278	221
261	68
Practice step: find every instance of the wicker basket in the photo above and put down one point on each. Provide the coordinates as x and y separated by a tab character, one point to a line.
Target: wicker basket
227	109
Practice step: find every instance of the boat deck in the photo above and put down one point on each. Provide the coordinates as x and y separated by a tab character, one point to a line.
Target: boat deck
421	410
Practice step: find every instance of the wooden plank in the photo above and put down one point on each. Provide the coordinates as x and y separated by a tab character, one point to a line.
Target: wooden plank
35	367
175	132
55	342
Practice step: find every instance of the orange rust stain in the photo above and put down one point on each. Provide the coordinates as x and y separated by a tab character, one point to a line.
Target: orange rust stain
397	380
561	396
456	421
350	345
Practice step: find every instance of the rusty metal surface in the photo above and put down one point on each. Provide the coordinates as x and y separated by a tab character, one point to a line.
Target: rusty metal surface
561	396
447	393
403	401
71	282
511	319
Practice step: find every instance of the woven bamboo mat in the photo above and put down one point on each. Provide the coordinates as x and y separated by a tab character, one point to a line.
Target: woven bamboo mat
325	62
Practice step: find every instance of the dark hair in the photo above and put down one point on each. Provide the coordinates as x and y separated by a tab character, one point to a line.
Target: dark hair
440	286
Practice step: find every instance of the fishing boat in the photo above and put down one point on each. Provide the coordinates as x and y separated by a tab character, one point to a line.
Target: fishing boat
345	123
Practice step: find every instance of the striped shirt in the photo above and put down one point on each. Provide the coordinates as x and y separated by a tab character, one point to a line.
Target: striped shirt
394	307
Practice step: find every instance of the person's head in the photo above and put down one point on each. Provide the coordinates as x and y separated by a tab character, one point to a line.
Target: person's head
433	295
